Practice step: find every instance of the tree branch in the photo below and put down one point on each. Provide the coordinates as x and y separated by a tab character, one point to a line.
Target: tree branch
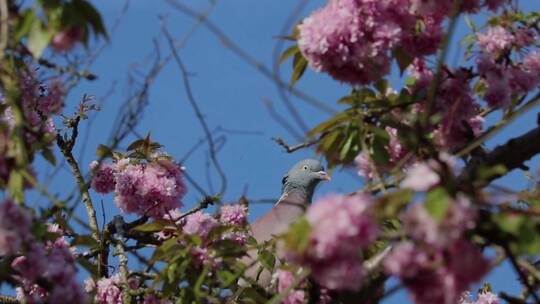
290	149
66	147
511	155
198	113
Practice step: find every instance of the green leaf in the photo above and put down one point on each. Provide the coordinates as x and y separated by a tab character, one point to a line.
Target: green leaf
437	203
16	185
325	126
293	50
155	226
225	276
92	16
403	59
251	296
382	86
84	241
391	204
267	259
522	230
23	28
103	151
299	67
38	38
347	146
136	144
89	266
297	238
49	156
379	146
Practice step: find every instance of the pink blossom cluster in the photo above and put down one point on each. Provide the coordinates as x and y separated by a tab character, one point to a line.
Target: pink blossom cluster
203	256
200	223
14	228
153	188
39	103
495	40
484	297
505	81
284	280
454	102
110	290
437	264
352	39
341	226
53	263
235	215
424	176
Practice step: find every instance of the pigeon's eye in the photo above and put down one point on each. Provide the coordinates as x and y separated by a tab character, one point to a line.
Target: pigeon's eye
306	167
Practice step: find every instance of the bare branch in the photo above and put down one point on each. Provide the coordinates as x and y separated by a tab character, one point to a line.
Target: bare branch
198	112
511	155
290	149
248	58
276	66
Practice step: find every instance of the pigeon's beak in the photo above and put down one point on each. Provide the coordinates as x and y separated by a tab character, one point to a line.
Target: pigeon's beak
324	176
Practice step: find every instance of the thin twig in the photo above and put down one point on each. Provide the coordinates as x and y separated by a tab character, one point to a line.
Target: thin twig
519	271
290	149
248	58
276	66
198	113
280	120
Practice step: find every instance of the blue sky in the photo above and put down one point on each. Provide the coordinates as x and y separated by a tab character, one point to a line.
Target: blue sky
230	94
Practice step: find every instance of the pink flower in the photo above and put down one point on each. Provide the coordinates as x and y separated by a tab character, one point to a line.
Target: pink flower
437	264
52	102
200	223
524	37
202	257
487	298
363	164
340	227
420	225
285	280
89	285
239	237
494	4
459	111
427	40
66	39
149	189
495	40
53	264
108	290
233	214
532	62
421	177
14	227
103	177
351	39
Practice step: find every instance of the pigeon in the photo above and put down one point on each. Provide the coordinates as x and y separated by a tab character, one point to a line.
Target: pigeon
297	190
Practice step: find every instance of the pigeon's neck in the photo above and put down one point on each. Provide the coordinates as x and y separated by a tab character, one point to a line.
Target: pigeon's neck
297	194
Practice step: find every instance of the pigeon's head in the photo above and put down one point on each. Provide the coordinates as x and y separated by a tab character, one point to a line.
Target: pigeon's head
303	178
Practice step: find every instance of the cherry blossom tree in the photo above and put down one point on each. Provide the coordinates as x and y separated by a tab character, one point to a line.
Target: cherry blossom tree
427	218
